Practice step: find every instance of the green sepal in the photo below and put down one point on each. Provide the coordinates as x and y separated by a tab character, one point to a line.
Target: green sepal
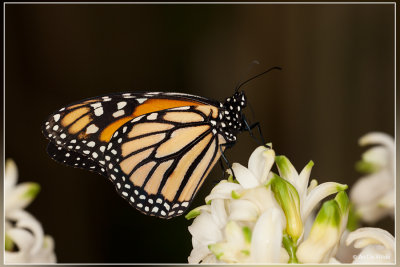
247	234
193	214
235	195
32	191
329	214
9	244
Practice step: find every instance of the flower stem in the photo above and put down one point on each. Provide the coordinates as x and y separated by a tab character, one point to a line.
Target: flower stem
291	248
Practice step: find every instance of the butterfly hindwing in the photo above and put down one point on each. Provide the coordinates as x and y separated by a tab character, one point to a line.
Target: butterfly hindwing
158	161
74	159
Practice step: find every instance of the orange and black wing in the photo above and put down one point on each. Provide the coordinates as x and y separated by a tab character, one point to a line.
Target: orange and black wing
79	133
159	160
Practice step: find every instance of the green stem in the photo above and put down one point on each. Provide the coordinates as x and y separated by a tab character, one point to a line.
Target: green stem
291	248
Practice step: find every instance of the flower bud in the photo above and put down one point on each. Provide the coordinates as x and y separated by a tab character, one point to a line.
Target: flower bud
324	235
288	199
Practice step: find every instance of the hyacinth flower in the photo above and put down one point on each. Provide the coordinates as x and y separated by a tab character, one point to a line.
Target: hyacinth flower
260	217
373	195
25	241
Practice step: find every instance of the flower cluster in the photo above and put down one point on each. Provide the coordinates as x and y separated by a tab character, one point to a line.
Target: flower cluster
264	217
24	238
374	194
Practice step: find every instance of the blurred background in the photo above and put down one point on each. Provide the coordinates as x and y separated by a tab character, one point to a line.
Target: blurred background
336	85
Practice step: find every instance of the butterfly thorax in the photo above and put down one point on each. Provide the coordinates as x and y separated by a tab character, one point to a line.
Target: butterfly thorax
231	117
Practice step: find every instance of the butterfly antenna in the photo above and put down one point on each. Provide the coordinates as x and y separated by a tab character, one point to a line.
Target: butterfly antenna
258	75
246	73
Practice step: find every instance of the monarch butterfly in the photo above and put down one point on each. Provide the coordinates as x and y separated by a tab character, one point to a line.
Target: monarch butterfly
156	147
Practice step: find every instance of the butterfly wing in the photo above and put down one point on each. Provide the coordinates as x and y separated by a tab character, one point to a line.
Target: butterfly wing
83	129
74	159
158	161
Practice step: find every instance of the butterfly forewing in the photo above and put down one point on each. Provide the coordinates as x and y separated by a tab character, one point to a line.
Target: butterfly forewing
87	126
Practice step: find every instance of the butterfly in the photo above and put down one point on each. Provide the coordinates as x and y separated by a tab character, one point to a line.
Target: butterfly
157	148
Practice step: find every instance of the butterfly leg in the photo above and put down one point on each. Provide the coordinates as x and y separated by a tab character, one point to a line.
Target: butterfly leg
249	128
221	164
227	145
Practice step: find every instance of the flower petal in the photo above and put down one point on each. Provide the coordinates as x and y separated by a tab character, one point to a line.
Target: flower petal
261	196
324	235
21	196
10	175
317	194
243	210
377	138
302	182
25	220
205	230
22	238
371	213
369	235
223	190
377	156
287	170
244	176
46	253
260	162
198	253
267	237
371	188
218	212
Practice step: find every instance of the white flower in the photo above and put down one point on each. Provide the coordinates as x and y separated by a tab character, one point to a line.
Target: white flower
25	242
373	195
377	245
323	240
260	217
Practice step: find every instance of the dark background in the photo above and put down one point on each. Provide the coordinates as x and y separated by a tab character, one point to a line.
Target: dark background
336	85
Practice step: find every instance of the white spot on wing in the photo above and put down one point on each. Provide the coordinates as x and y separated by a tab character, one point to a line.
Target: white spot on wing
96	105
98	111
92	129
121	104
141	100
181	108
152	116
118	113
56	117
91	144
